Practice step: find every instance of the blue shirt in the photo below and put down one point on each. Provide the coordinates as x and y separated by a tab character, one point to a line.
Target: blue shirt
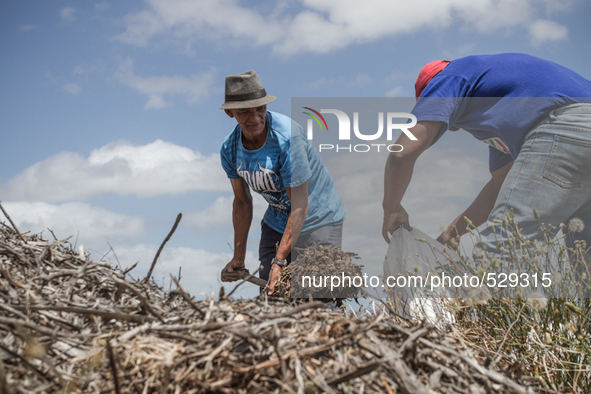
499	98
287	159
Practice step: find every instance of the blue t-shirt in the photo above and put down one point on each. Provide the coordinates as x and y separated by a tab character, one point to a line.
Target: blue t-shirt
287	159
499	98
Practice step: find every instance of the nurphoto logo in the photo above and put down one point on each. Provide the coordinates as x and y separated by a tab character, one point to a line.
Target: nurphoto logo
344	131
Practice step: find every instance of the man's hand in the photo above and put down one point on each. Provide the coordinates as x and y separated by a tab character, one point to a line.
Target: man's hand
235	263
393	220
479	210
241	219
295	221
274	277
398	172
447	235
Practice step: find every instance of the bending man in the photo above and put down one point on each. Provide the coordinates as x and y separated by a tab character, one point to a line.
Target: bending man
269	153
536	117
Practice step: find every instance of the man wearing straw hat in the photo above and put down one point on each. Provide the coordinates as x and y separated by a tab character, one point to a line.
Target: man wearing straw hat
270	154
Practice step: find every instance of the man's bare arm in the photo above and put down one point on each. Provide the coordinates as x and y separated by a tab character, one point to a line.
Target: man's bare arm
241	219
398	172
479	211
295	222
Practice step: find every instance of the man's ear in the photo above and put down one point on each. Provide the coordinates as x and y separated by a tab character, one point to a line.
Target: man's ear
229	113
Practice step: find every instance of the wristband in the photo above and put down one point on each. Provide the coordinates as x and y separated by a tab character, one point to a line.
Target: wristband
279	262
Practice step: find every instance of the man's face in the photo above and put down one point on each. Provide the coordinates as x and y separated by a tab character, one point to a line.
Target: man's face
252	121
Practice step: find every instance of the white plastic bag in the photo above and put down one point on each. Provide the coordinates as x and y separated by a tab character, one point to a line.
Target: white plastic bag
406	261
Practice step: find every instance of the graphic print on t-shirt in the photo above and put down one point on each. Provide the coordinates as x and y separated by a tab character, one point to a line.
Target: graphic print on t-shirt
497	143
259	180
263	181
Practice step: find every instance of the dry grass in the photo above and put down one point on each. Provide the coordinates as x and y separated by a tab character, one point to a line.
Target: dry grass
544	330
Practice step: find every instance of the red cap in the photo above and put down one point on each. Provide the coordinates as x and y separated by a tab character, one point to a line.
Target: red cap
427	73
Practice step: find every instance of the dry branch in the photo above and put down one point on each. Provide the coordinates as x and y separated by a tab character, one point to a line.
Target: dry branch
176	223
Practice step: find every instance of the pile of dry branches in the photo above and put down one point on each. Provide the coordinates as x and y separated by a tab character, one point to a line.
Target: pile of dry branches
72	325
318	262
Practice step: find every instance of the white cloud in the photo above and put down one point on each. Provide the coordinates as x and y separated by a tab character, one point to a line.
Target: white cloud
72	88
69	87
219	214
193	89
27	27
101	6
489	15
86	68
220	19
215	216
360	80
321	83
322	25
544	30
395	79
395	92
73	219
157	168
200	269
68	15
156	102
333	24
448	174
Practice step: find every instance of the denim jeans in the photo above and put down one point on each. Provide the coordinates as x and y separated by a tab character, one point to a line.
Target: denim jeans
552	174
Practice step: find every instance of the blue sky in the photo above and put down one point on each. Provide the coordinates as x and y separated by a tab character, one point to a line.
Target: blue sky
110	122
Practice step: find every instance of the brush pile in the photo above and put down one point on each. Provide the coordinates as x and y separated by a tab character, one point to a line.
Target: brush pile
72	325
315	264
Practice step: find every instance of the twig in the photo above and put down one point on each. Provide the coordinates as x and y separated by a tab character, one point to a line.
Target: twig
309	350
14	311
360	371
387	386
498	355
6	275
114	254
42	329
176	223
11	222
142	299
26	362
51	232
279	355
83	311
409	380
297	309
187	297
127	270
411	338
113	366
576	380
3	383
386	305
491	374
279	383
